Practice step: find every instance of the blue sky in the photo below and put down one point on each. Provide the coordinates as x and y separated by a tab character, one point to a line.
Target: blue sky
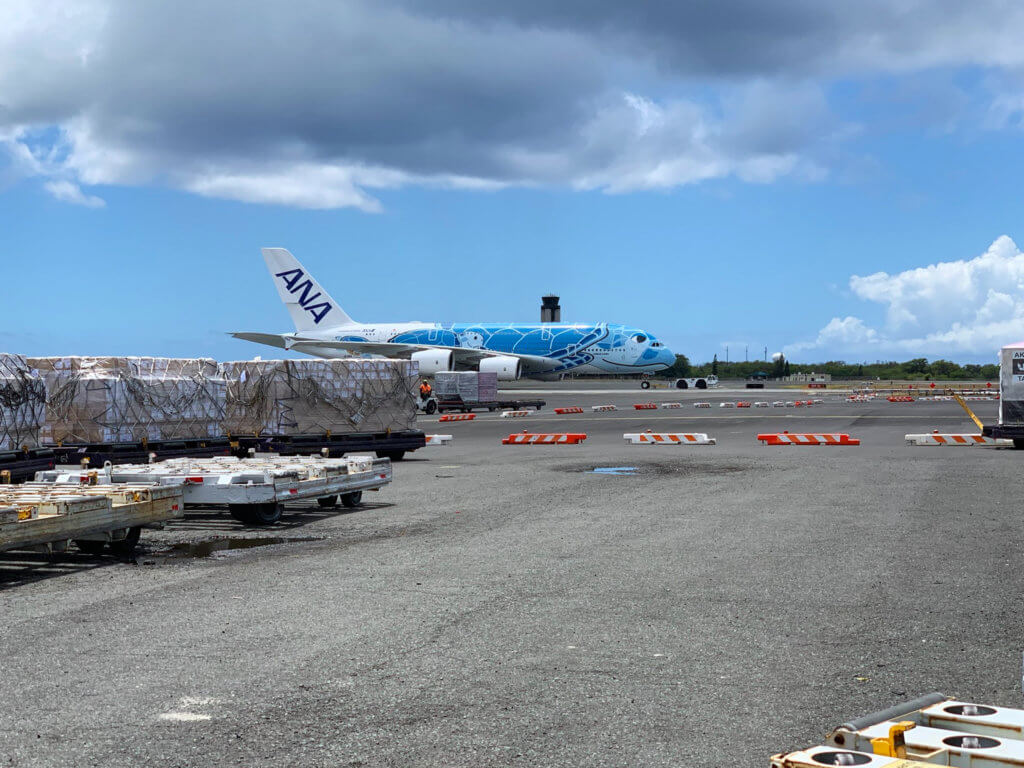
852	198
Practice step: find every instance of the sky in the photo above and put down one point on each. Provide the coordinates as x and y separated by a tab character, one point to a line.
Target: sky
837	181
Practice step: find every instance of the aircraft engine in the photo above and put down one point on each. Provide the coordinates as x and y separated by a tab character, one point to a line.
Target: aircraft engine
507	368
433	360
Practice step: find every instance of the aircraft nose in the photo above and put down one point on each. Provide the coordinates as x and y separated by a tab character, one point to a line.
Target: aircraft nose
667	357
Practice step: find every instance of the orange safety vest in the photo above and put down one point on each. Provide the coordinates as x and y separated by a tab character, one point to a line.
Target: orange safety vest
424	390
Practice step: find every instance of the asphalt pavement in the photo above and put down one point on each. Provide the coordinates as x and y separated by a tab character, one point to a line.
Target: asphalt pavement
505	605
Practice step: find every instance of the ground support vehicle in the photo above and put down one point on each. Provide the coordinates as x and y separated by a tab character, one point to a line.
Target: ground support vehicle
19	466
253	490
456	403
49	515
699	382
386	445
98	454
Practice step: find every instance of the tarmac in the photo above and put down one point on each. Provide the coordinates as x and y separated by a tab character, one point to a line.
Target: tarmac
505	605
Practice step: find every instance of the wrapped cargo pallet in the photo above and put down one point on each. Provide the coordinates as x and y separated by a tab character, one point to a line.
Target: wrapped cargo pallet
1011	385
130	399
22	404
314	397
471	386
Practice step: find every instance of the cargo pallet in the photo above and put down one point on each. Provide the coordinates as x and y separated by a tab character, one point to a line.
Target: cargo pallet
387	445
927	731
99	454
19	466
49	516
458	404
253	490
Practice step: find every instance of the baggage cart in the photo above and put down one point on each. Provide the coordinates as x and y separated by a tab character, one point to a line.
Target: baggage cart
253	490
48	516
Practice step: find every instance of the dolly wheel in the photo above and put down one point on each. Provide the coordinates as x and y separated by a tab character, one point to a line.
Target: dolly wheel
126	546
328	501
256	514
90	547
1018	443
352	499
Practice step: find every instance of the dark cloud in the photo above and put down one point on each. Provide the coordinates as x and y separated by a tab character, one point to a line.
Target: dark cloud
314	102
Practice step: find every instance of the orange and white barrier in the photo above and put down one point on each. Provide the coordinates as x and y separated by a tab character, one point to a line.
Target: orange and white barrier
934	438
668	438
558	438
900	399
603	408
514	414
785	438
571	409
438	439
458	417
742	404
645	406
702	405
671	405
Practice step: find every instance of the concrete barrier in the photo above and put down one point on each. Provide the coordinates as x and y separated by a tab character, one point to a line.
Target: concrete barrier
668	438
934	438
817	438
457	417
557	438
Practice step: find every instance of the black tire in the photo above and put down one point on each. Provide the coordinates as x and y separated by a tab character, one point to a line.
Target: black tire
90	547
353	499
430	408
1018	443
492	408
126	546
645	385
701	384
256	514
393	455
682	384
328	501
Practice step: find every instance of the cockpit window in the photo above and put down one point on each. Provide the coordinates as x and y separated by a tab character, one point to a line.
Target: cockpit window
640	338
657	344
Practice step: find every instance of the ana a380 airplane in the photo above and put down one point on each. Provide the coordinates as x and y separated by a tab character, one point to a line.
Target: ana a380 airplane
512	350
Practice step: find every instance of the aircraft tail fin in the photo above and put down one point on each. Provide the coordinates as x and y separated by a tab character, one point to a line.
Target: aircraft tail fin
310	306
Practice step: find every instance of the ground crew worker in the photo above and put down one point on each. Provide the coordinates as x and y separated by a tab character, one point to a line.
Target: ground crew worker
425	390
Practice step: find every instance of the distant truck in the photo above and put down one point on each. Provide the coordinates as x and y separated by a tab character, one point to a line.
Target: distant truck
698	382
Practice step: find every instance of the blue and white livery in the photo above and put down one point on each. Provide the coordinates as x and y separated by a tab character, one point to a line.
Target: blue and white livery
512	350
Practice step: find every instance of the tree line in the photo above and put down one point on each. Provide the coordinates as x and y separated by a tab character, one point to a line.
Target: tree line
918	369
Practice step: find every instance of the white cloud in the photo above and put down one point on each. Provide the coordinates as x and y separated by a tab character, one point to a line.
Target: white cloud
963	308
69	192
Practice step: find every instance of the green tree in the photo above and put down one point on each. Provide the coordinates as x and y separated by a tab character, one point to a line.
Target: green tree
785	370
944	369
779	367
680	369
714	366
917	365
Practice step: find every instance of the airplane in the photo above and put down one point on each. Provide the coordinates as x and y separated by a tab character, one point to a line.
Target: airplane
512	350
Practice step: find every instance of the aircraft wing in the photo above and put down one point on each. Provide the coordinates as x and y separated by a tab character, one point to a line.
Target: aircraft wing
462	356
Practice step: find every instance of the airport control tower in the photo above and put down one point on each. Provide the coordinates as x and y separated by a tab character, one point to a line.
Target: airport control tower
550	311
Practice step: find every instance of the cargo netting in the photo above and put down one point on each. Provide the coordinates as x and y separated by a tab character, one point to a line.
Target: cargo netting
22	404
130	399
315	397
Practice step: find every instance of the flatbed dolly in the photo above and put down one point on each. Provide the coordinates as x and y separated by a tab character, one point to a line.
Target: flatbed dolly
48	516
19	466
458	404
98	454
254	490
386	445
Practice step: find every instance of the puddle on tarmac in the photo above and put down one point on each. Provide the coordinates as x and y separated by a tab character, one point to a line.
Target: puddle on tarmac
196	549
613	470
